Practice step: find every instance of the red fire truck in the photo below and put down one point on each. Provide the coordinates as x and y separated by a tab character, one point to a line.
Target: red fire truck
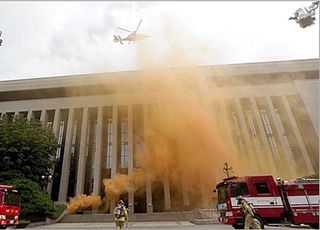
9	206
293	201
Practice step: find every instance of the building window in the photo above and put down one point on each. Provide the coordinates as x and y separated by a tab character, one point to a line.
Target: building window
266	123
251	124
253	133
238	132
60	139
58	153
268	130
94	148
124	143
109	144
283	133
74	139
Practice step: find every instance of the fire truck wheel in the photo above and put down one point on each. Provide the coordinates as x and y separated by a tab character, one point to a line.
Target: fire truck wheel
2	227
314	226
260	221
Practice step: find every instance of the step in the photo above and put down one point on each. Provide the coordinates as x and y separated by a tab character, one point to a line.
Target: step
136	217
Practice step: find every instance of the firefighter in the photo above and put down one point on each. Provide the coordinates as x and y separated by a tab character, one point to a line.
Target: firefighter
121	214
249	214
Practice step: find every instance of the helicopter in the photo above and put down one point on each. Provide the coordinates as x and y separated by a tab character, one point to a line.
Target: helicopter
306	17
132	37
0	38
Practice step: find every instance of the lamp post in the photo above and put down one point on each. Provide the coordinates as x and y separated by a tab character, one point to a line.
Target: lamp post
46	179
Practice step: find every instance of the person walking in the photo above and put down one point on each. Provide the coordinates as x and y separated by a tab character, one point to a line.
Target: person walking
248	213
121	214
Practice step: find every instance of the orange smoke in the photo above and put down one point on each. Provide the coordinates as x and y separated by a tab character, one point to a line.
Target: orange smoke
83	201
123	183
183	145
182	141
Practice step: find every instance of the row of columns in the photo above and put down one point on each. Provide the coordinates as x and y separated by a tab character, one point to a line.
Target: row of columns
63	189
98	154
268	156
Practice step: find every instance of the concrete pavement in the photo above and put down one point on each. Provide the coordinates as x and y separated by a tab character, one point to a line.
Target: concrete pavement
173	225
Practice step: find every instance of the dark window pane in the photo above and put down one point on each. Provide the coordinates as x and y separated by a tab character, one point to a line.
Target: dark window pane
262	188
240	189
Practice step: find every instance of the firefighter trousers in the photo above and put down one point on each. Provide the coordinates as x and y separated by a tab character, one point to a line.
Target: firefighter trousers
249	222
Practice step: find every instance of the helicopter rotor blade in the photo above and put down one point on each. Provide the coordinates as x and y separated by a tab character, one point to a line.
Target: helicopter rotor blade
125	30
138	26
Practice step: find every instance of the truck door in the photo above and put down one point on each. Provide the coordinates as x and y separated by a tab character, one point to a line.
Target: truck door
238	189
267	200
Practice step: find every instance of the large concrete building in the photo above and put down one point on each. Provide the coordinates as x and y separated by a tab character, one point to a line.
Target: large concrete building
271	108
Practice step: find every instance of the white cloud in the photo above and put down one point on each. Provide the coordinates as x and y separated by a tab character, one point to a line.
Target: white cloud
62	38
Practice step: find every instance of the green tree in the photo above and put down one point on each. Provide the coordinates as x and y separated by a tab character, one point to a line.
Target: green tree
27	147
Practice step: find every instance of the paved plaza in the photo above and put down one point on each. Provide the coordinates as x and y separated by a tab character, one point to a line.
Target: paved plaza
173	225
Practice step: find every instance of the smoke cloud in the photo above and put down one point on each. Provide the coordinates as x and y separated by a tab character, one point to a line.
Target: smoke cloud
83	201
186	142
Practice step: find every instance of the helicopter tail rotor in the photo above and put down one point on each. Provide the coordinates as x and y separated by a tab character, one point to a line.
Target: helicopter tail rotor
117	38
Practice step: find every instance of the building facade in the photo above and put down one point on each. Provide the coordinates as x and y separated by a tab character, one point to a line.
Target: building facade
271	110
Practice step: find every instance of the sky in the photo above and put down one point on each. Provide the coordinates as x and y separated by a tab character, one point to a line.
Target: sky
45	39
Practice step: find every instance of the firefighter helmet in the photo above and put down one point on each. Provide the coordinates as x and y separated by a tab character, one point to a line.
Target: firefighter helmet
239	198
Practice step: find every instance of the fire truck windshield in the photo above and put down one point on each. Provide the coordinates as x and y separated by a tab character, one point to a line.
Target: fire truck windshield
11	198
222	193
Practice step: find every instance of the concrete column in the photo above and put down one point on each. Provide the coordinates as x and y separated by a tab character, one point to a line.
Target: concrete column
55	128
130	157
29	115
56	122
82	153
114	141
43	117
166	187
66	160
288	154
298	135
149	195
114	149
268	154
185	192
98	156
204	194
253	157
226	122
146	144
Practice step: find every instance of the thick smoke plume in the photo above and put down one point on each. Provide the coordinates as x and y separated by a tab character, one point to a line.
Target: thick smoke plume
123	183
186	141
83	201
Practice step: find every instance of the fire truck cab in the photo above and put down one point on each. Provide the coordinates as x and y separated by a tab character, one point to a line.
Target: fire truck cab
295	201
9	206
